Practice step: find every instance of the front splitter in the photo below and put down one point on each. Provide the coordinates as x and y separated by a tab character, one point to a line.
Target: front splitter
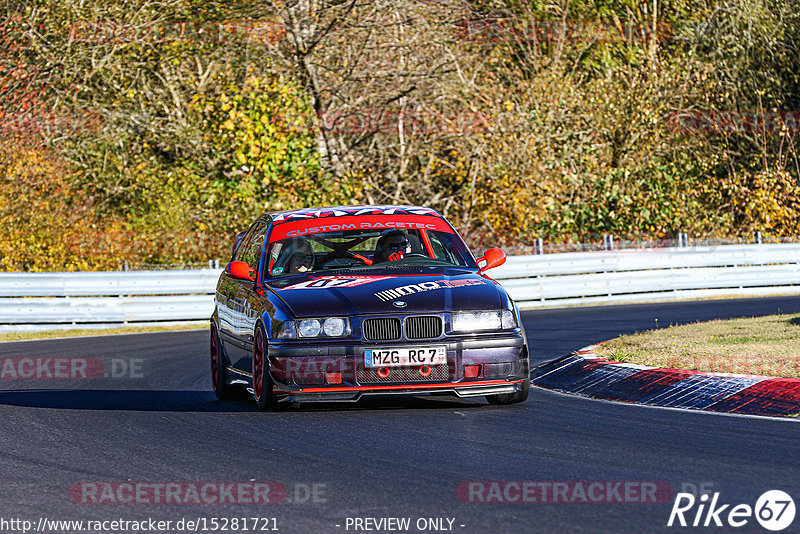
354	393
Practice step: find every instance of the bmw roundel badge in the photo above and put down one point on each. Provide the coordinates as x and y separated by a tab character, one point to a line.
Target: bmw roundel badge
400	304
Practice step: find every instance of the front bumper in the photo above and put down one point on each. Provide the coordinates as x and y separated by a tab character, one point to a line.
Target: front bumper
335	371
461	389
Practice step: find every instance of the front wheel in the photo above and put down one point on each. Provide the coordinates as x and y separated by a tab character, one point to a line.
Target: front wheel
219	373
517	396
263	393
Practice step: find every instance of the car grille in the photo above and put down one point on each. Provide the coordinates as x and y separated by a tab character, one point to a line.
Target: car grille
439	373
423	327
382	329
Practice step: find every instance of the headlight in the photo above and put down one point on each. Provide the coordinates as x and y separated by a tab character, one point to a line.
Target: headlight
483	320
508	320
309	328
330	327
334	326
474	321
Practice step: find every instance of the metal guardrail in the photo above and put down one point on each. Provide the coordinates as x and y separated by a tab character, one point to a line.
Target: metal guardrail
55	301
650	274
114	283
43	301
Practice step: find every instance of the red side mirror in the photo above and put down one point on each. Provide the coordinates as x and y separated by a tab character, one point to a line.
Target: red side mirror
241	271
494	257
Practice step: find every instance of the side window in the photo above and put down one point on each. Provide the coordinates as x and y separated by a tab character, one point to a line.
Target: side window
439	248
250	249
236	242
243	242
448	247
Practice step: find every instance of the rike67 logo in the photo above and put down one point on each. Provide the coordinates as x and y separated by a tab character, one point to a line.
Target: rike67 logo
774	510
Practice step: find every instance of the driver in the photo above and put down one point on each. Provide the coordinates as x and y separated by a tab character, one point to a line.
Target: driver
392	245
302	258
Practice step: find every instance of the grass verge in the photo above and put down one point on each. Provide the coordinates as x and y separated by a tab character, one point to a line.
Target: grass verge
19	336
768	346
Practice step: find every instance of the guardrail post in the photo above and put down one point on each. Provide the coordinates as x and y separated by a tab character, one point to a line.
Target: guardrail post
758	238
538	246
683	240
608	242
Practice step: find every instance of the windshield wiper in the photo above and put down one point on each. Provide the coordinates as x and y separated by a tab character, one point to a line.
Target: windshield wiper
344	269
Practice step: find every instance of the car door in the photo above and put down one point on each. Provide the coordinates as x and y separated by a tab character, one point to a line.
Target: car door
244	315
228	304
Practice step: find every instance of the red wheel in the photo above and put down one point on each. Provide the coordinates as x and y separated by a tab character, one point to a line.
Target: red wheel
263	393
219	375
214	359
258	365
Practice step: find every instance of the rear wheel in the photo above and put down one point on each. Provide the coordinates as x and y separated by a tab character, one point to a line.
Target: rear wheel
219	373
517	396
263	393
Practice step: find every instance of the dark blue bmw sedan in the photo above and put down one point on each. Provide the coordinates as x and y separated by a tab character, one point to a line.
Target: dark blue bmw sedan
332	304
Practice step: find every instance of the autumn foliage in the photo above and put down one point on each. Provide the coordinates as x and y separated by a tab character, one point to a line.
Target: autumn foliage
151	133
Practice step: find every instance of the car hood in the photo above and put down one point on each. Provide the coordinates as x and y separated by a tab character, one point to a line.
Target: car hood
381	293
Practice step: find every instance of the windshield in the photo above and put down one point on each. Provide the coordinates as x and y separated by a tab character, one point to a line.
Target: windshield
358	243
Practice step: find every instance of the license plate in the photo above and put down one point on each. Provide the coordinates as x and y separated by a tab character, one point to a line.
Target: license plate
396	357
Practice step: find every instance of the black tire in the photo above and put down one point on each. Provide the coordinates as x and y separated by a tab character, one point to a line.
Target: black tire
263	393
219	372
517	396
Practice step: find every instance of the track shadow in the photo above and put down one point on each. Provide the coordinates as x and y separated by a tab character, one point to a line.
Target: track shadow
128	400
795	321
203	401
389	402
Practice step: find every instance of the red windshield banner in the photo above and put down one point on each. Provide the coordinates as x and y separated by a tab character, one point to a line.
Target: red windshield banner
361	222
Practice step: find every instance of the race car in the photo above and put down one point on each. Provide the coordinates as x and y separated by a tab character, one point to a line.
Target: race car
338	303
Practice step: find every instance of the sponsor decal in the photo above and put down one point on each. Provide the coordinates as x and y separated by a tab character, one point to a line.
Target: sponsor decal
359	222
328	282
410	289
339	212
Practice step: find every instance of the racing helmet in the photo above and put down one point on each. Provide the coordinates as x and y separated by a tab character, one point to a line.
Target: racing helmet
296	255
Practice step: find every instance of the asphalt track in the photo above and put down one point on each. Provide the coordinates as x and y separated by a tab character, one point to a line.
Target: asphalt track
403	457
